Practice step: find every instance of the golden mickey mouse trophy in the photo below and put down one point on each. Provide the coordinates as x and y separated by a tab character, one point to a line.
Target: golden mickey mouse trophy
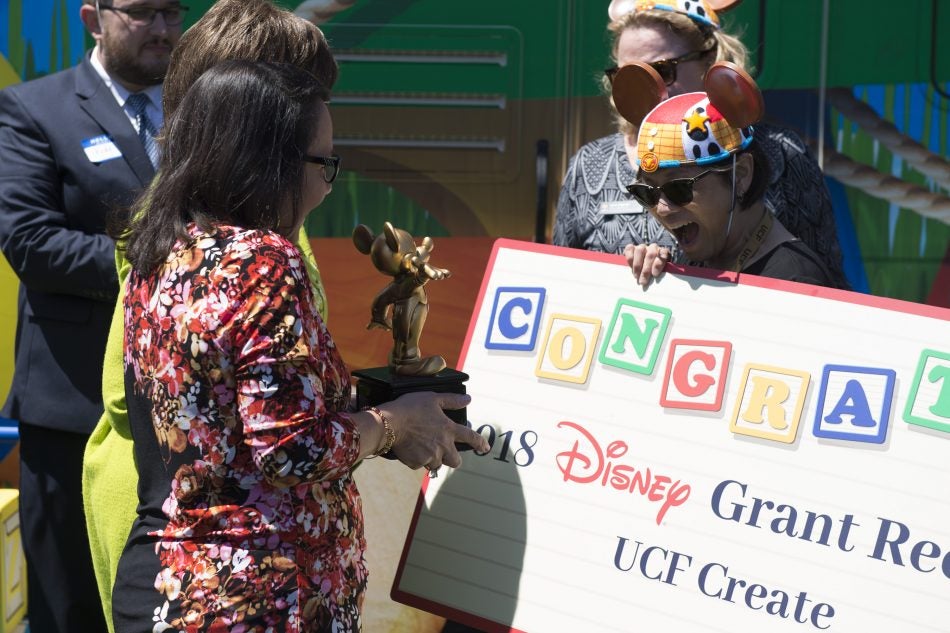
401	307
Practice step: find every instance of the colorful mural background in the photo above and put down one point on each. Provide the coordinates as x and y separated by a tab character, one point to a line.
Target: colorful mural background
442	107
903	254
457	119
430	90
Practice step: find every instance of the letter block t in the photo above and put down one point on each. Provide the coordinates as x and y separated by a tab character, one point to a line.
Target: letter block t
928	403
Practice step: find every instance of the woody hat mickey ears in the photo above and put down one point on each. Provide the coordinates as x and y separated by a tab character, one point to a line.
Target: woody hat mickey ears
702	11
693	128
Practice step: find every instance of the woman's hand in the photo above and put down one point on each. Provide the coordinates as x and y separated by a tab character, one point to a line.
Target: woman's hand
646	262
425	436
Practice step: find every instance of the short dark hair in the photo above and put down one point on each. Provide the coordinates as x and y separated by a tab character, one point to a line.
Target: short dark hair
761	175
232	153
254	30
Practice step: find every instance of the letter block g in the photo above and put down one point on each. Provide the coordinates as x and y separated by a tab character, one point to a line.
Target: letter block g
696	375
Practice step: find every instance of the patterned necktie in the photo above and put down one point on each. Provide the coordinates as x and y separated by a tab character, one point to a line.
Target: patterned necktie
137	103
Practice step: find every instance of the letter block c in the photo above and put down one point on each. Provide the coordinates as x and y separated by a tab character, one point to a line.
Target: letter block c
515	319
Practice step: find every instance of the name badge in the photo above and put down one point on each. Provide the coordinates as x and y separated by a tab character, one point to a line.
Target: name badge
620	207
100	149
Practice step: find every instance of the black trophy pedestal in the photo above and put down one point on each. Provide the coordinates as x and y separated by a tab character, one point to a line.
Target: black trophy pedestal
378	384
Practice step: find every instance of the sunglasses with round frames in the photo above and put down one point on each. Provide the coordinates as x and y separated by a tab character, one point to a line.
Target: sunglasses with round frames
145	16
665	68
679	191
331	165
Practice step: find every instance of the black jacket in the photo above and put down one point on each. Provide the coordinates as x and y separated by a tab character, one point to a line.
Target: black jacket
54	202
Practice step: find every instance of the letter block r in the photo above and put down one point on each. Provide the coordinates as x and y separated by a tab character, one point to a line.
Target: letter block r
928	403
515	319
771	403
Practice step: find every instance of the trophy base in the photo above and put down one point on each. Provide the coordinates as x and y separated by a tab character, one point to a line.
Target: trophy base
378	384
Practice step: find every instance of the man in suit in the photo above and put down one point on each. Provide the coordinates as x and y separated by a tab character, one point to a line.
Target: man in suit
74	147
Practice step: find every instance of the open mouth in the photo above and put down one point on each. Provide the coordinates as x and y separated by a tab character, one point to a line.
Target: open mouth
685	234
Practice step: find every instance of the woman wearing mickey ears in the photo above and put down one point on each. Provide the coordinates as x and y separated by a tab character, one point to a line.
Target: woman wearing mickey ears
681	39
702	176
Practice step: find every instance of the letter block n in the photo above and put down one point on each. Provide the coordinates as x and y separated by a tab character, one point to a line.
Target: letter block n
635	336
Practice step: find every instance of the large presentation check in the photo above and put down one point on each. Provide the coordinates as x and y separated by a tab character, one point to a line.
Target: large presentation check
711	454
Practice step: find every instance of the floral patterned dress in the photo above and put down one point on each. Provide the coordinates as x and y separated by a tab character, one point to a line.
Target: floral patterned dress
248	517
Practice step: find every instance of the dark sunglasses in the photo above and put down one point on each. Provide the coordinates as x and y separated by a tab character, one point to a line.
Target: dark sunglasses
679	191
665	68
331	165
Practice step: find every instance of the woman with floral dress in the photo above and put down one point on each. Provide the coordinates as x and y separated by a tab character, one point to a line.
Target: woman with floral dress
248	517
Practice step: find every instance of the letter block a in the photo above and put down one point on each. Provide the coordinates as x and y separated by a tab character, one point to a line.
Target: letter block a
635	336
696	375
854	403
770	403
928	403
515	319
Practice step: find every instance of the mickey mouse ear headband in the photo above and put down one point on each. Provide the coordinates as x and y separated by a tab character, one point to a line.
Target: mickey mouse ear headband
693	128
705	12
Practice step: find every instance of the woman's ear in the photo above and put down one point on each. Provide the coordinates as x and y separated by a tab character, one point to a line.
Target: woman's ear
745	169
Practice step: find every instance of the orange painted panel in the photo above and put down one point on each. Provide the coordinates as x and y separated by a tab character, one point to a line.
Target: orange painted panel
352	282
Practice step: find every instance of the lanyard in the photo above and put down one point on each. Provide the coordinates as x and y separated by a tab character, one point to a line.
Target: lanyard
755	241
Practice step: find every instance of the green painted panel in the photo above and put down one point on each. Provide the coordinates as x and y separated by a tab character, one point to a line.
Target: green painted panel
869	41
411	59
534	45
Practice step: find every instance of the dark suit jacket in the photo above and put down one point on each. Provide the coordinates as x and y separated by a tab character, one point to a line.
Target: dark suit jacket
54	203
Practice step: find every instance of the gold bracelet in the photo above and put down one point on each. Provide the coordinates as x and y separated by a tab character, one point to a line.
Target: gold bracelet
390	438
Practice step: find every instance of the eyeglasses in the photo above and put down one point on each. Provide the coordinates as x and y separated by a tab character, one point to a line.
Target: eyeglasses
679	191
145	16
665	68
331	165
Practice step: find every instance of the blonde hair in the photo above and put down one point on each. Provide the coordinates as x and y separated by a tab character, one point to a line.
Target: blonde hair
697	37
252	30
